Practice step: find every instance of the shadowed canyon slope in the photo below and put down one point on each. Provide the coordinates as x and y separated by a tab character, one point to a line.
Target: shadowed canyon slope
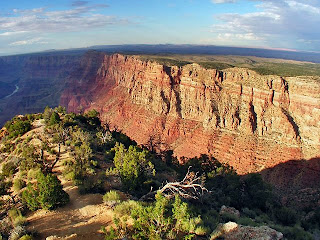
251	121
31	82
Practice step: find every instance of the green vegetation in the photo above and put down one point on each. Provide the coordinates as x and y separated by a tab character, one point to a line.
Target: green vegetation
112	198
135	182
287	69
132	165
16	217
54	118
263	66
18	184
17	127
164	219
166	61
215	65
26	237
4	185
8	169
46	193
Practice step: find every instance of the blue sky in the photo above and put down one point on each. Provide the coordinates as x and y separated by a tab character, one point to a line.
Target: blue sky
36	25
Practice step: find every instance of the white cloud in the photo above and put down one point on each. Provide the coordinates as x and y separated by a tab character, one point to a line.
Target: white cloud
238	36
12	33
42	20
79	3
276	21
29	42
303	7
223	1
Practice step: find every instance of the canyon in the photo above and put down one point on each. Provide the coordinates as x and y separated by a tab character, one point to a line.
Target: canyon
250	121
255	123
32	82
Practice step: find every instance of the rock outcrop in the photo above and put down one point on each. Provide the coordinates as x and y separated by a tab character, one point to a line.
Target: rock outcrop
250	121
233	231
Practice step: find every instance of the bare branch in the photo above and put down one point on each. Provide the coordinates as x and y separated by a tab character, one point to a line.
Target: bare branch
190	187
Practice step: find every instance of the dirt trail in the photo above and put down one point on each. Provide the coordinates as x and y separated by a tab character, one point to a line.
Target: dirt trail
80	219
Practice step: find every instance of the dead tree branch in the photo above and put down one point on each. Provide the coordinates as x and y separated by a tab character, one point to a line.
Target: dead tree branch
191	187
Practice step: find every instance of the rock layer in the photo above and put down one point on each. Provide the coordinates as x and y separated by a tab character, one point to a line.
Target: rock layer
250	121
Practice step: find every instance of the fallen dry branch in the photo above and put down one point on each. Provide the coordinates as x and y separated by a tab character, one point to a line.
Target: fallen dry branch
191	187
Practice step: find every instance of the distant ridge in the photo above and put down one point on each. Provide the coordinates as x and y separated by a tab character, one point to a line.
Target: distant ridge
194	49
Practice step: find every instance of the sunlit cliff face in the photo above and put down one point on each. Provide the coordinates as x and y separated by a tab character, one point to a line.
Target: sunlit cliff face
250	121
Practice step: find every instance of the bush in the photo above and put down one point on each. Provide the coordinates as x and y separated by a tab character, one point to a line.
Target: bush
18	184
19	221
4	186
286	216
249	191
16	217
294	233
90	185
249	213
164	219
17	127
245	221
47	114
60	109
256	192
26	237
312	220
33	173
8	169
47	193
112	198
125	208
54	119
132	165
17	232
227	217
172	219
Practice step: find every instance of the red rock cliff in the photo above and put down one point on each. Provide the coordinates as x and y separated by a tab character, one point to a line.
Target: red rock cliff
250	121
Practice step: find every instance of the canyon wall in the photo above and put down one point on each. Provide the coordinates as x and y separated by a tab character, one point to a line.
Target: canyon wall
250	121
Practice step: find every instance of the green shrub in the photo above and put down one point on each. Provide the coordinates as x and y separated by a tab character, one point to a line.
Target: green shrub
16	217
173	219
60	109
227	217
47	114
90	185
54	119
294	233
245	221
263	218
92	114
112	198
164	219
17	127
249	191
33	173
47	193
132	165
26	237
249	213
286	216
18	184
19	221
4	186
256	192
126	207
8	169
